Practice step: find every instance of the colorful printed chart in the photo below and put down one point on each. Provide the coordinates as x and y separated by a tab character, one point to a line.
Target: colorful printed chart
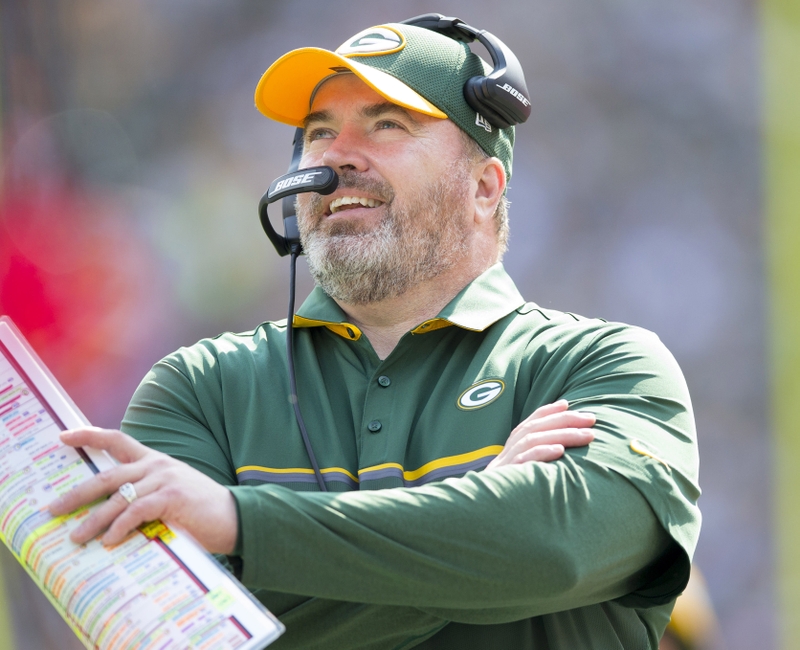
157	589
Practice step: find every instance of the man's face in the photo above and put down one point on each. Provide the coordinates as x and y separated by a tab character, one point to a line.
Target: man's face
402	212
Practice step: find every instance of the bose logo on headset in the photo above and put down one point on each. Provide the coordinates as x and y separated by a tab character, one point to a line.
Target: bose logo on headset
300	179
516	93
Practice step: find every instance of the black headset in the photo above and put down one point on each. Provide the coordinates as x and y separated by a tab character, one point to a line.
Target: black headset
501	97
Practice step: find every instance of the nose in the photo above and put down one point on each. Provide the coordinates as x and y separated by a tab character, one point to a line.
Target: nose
347	151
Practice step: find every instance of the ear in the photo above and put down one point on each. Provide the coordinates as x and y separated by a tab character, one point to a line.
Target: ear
491	183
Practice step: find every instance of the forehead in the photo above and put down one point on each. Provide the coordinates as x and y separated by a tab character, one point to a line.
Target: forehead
342	94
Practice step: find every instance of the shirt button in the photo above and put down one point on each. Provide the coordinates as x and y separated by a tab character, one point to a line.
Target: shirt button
384	381
374	426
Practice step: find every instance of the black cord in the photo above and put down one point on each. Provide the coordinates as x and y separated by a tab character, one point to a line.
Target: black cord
295	251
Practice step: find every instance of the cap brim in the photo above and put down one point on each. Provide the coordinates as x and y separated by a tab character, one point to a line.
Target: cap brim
284	91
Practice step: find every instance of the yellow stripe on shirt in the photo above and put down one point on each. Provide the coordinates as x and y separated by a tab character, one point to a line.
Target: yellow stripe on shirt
447	461
293	470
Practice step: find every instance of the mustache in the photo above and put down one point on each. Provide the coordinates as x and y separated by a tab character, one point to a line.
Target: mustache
379	189
314	204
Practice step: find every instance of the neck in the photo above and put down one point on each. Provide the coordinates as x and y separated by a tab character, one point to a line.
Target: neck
384	322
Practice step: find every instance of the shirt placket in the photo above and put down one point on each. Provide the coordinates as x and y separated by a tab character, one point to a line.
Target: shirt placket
381	444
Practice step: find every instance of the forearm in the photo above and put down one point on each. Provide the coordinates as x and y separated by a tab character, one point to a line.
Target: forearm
490	547
341	625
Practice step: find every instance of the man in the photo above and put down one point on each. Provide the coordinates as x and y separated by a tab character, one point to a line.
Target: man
419	365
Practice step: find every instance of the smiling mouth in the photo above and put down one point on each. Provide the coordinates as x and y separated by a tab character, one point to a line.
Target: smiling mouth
349	202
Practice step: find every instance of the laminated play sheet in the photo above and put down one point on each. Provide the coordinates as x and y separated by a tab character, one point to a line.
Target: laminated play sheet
157	589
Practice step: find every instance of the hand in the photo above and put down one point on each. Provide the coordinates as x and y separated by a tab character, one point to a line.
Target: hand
166	489
544	435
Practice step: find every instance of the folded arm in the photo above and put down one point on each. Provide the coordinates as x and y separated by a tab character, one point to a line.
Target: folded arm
486	548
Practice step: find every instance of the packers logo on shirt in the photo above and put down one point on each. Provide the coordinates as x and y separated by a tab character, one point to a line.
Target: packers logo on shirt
375	40
480	394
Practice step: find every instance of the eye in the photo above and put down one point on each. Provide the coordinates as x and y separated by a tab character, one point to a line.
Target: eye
387	124
318	134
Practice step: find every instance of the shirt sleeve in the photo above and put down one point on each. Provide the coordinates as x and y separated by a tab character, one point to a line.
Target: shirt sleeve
173	412
486	548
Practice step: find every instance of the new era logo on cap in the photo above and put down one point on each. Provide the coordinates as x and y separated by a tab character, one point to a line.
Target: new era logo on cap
375	40
481	121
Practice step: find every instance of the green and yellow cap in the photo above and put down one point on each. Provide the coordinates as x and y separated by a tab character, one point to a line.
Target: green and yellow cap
410	66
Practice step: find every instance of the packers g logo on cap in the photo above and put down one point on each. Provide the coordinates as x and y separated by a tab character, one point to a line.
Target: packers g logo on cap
375	40
480	394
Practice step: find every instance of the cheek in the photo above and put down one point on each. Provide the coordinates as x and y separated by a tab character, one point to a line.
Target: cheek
312	155
309	208
422	168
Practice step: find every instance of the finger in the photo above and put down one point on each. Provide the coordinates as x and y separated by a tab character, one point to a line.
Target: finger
556	420
122	447
106	482
542	453
105	515
143	510
562	420
572	437
562	437
99	519
543	411
548	409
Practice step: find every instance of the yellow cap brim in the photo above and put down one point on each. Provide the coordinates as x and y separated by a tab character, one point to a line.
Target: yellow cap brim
284	91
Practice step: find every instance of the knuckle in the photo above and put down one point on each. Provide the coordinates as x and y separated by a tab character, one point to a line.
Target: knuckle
105	478
171	482
160	461
70	497
116	436
139	511
89	523
171	493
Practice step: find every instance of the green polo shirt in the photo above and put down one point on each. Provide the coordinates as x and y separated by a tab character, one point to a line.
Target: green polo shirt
414	545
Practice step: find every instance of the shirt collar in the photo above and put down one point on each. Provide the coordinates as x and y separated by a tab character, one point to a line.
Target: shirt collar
484	301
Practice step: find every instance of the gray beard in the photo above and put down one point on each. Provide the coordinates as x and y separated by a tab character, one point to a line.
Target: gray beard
410	245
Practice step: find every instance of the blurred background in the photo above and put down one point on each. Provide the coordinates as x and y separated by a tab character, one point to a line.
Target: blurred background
133	161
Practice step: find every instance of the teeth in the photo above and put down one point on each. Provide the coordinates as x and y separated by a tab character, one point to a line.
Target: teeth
336	204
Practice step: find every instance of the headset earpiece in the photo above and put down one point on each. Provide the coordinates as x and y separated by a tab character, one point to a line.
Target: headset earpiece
503	93
501	96
477	96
